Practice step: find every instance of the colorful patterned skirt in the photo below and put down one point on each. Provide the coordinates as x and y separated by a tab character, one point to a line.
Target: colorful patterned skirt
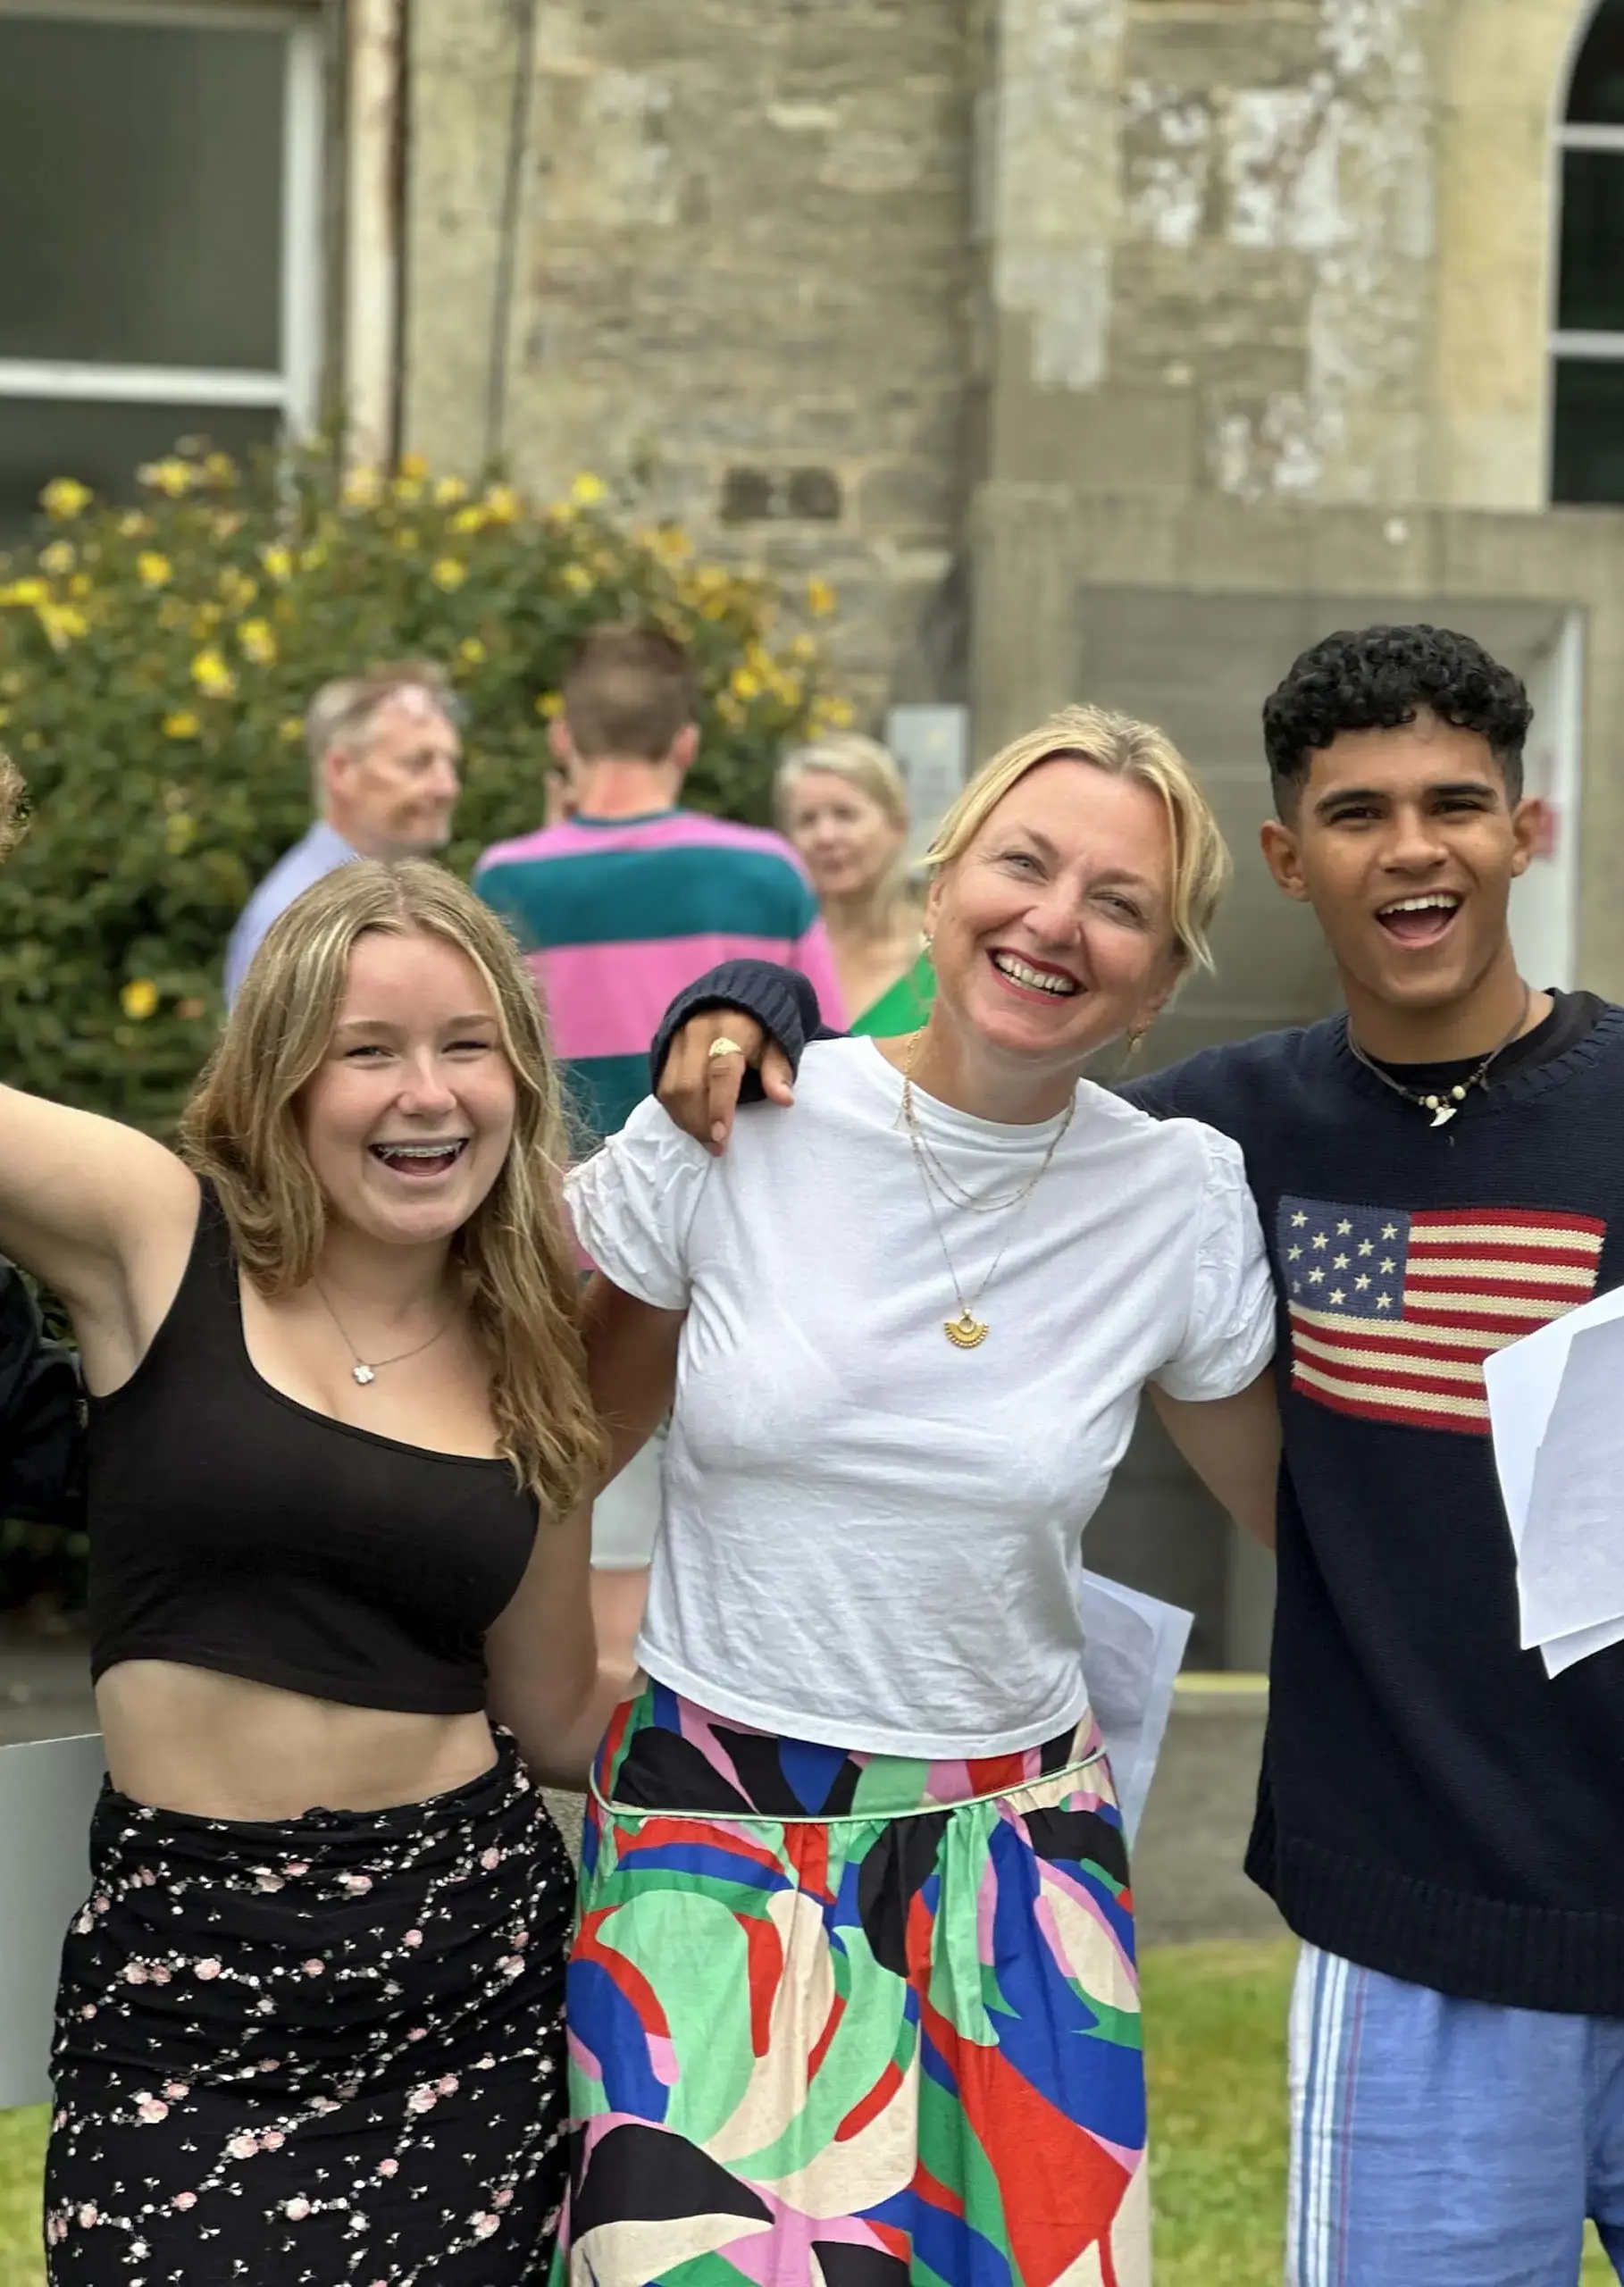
847	2020
323	2053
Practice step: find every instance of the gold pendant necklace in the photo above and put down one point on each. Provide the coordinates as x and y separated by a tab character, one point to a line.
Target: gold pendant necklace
967	1331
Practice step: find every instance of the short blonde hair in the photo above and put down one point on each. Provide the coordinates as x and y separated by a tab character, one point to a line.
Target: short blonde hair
1124	749
241	1130
870	769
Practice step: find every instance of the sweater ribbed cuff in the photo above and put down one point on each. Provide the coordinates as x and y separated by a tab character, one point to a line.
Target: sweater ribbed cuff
781	1001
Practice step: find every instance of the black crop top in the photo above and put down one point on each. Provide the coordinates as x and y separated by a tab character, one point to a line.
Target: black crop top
233	1528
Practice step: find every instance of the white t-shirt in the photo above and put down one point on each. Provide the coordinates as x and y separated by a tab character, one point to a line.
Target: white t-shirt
871	1537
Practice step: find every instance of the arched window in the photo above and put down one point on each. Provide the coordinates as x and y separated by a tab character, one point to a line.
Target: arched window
1587	457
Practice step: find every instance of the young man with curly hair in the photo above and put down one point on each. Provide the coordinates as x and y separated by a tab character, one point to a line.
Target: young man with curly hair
1438	1171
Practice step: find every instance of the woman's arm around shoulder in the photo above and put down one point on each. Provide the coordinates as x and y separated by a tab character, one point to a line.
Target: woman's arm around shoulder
100	1212
1216	1394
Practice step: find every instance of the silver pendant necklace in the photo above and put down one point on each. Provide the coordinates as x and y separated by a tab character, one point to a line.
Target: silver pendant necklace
363	1371
1443	1107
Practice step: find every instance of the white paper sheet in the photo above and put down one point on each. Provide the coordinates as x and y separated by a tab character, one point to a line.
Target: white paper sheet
1134	1645
1556	1410
48	1792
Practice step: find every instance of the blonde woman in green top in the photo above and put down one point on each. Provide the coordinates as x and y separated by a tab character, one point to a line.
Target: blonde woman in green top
843	803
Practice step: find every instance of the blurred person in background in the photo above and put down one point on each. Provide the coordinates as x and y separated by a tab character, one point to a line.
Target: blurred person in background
384	759
618	906
40	1431
843	804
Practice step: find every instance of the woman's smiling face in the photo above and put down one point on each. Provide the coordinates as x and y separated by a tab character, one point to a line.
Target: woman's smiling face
1053	931
409	1117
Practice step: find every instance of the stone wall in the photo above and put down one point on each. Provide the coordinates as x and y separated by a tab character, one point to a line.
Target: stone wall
837	263
743	246
1277	249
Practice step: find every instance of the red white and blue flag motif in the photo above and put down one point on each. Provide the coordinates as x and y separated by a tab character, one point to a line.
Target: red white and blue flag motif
1393	1314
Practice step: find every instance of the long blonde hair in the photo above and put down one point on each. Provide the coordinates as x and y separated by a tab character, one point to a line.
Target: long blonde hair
1125	748
870	769
241	1131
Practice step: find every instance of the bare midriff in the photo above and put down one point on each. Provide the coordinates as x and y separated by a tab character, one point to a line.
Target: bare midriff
220	1747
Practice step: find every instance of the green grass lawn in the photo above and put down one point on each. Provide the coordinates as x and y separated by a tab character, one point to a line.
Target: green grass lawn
1215	2032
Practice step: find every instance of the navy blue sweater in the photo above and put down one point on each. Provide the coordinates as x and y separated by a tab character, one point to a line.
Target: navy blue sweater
1431	1804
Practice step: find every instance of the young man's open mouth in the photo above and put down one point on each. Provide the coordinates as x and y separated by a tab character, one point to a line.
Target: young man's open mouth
1421	919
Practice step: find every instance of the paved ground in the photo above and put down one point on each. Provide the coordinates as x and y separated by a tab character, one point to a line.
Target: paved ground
1187	1876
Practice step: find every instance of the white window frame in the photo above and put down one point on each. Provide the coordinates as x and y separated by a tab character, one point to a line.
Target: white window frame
1570	135
294	390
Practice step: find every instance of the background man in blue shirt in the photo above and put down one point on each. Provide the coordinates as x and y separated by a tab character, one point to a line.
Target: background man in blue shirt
384	757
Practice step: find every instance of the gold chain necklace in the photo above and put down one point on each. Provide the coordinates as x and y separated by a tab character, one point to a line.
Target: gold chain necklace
361	1371
967	1331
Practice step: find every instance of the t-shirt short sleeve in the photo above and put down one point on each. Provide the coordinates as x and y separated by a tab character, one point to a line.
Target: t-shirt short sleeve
633	1204
1230	1337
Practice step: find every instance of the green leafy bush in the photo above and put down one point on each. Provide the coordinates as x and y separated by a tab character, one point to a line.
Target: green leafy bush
154	665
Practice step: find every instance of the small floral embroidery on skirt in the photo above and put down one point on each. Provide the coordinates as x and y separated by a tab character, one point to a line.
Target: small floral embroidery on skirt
324	2054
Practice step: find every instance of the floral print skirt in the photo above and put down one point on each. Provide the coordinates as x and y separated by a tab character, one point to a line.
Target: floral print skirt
848	2020
326	2053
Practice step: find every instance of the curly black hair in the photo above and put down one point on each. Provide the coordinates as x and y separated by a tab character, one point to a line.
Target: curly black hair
1377	678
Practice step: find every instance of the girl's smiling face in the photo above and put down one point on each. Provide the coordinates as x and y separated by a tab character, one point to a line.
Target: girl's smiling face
409	1117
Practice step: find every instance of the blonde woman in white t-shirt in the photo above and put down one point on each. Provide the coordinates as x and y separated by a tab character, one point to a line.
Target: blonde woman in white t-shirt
854	1993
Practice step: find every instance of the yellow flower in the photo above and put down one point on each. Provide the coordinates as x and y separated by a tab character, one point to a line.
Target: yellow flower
219	468
448	491
278	562
62	625
362	489
577	578
502	504
804	648
447	573
25	591
472	651
833	714
745	683
140	998
205	617
313	556
172	476
472	519
81	584
211	674
549	704
413	466
405	540
59	558
133	524
65	498
153	570
258	641
290	729
226	525
588	489
821	598
236	588
182	724
407	488
180	831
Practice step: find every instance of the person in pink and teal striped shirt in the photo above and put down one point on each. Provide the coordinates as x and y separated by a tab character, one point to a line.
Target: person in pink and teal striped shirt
616	909
622	905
